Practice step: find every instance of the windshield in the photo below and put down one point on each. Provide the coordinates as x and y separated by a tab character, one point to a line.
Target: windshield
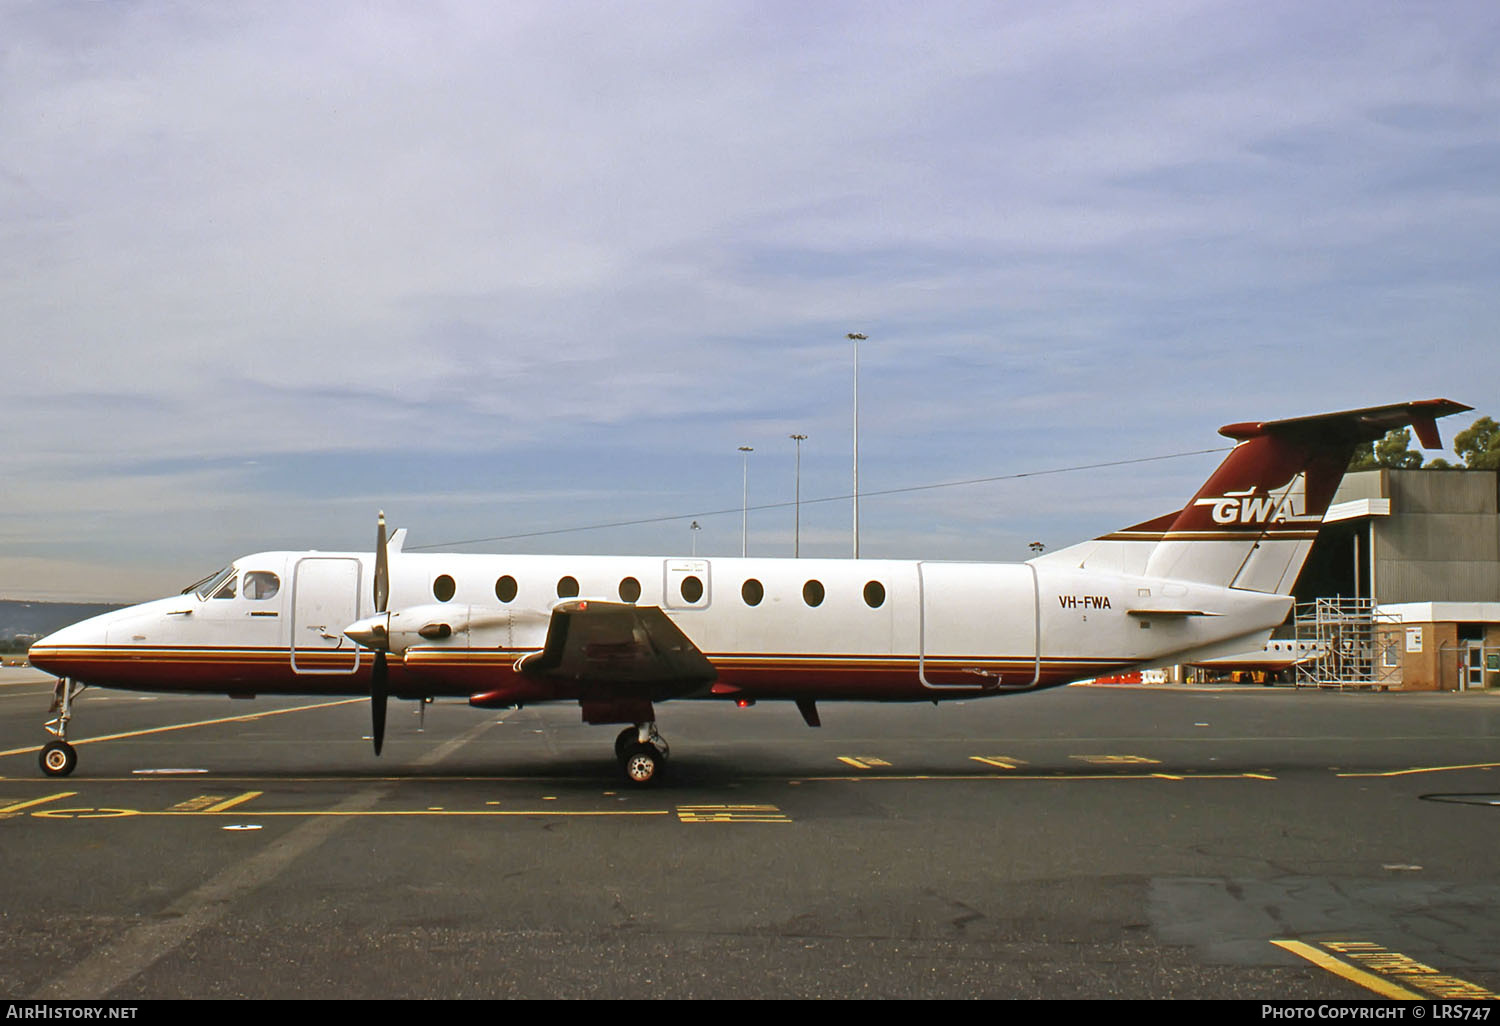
205	587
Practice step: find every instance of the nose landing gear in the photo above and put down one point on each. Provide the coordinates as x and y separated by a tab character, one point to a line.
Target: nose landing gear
59	758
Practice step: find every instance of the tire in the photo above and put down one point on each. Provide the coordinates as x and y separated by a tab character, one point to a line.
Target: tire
624	741
58	759
642	765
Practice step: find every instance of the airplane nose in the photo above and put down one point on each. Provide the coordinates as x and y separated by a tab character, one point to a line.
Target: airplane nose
62	652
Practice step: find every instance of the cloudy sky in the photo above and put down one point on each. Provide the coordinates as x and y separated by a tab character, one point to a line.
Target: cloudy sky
500	269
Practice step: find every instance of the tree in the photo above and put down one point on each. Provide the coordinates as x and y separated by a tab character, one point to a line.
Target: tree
1394	450
1479	445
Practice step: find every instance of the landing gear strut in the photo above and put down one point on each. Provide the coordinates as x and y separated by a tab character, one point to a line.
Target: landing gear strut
58	758
642	753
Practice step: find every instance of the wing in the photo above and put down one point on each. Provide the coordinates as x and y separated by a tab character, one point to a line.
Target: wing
612	647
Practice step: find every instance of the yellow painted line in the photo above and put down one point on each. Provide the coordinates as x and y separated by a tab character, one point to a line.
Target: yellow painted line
850	760
1385	988
1423	769
244	718
203	801
1117	760
998	761
731	814
18	806
102	813
1379	967
225	806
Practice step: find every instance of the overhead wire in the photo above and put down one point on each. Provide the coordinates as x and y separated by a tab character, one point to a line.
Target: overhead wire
808	502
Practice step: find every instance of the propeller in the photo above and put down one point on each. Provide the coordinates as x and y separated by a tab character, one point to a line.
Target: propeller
378	689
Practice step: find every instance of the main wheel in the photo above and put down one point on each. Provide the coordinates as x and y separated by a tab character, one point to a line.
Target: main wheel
642	764
58	758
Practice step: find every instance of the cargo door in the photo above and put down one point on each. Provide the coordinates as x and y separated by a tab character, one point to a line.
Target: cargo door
978	627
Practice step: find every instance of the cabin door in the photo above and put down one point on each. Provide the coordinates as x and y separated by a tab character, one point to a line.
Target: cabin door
325	600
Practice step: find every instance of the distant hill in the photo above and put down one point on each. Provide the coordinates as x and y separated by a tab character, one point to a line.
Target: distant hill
30	620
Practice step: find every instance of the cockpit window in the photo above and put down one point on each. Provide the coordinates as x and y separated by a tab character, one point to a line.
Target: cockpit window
226	590
261	584
208	585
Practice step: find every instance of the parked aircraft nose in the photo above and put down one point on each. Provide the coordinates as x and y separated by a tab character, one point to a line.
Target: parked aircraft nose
62	652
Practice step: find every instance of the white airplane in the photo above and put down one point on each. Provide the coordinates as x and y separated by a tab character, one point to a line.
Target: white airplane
617	634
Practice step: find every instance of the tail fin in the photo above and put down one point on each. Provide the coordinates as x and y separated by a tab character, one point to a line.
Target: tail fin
1253	522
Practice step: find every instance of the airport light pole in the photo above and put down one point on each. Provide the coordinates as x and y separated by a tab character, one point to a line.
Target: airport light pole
856	338
797	499
745	504
693	529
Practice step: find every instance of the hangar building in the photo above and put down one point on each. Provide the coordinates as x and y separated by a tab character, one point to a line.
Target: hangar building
1417	554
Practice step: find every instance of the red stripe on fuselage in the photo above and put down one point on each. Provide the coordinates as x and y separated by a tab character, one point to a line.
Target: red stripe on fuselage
460	674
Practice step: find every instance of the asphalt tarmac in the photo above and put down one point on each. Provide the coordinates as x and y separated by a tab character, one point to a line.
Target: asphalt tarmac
1095	842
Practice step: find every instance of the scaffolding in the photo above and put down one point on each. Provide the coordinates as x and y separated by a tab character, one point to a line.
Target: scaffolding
1361	647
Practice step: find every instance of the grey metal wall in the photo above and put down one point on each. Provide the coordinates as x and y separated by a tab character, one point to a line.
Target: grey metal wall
1441	542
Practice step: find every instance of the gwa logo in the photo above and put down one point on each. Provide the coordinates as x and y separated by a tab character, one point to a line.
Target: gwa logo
1247	507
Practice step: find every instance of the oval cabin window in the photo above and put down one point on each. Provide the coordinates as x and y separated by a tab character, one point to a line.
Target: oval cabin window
567	587
505	589
630	589
874	594
692	589
443	588
752	592
812	593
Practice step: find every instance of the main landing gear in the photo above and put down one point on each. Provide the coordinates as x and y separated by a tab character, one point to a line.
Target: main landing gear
642	753
59	758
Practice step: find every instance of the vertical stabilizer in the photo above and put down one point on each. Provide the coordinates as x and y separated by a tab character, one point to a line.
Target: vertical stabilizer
1253	522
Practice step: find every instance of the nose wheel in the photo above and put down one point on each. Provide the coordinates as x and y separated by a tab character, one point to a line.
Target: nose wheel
58	758
642	753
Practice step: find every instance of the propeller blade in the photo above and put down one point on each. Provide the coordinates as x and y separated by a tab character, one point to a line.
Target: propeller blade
377	700
382	567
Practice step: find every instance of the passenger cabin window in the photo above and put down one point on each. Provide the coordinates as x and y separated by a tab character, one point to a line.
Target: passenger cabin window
505	589
630	589
812	593
874	594
567	587
443	588
752	591
692	589
226	590
261	584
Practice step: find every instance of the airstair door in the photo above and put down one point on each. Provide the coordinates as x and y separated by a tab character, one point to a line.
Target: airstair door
325	600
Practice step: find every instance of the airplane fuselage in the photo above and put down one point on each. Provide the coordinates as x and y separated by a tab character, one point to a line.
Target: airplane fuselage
821	629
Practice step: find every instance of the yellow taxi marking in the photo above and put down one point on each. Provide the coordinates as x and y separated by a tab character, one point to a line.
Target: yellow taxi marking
245	718
998	761
731	814
1386	972
863	761
94	813
7	810
1422	769
197	804
90	813
237	800
1116	760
